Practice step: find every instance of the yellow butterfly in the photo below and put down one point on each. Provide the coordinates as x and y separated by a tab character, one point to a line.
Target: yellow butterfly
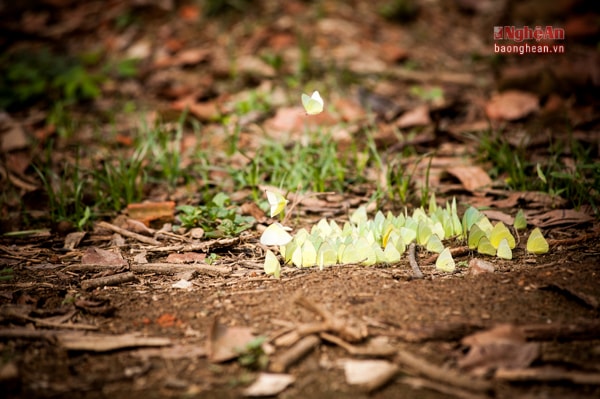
500	232
314	104
272	266
309	254
277	202
485	247
504	250
326	256
275	234
520	221
445	262
434	244
536	243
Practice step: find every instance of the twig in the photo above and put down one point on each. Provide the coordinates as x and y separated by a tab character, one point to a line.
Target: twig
412	253
445	375
419	383
548	375
281	363
127	233
158	268
28	333
572	241
114	279
203	246
172	268
587	330
352	332
359	350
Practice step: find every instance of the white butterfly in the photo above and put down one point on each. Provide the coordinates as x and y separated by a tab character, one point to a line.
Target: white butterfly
277	202
314	104
275	234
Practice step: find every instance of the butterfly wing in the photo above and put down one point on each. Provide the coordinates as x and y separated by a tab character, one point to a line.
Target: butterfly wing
504	250
277	202
314	104
275	234
536	243
272	266
445	262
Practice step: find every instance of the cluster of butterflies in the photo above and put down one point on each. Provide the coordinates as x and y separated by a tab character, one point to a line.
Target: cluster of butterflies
384	238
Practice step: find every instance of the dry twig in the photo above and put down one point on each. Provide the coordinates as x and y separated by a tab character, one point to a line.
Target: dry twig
127	233
281	363
412	259
445	375
114	279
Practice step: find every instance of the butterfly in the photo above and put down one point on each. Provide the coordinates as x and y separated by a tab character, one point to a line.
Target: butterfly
272	266
520	221
504	250
275	234
500	232
277	202
445	262
314	104
536	243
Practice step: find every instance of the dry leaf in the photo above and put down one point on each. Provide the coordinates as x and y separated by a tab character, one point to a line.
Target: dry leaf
511	105
503	346
480	266
147	212
97	256
366	372
225	342
473	178
418	116
269	384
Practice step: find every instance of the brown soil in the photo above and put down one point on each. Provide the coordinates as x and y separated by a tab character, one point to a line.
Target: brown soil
425	317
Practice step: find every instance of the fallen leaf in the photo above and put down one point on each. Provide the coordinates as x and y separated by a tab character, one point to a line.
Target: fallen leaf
511	105
147	212
97	256
269	384
418	116
503	346
363	372
183	284
12	135
473	178
480	266
499	215
560	217
72	240
225	342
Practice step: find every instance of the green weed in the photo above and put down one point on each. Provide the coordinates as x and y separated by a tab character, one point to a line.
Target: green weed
577	183
252	356
217	218
65	194
316	166
121	181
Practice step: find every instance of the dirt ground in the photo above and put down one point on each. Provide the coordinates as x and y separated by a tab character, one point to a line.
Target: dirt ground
554	298
141	337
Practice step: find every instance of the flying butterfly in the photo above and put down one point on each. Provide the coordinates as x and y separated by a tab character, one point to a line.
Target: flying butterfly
277	202
313	105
